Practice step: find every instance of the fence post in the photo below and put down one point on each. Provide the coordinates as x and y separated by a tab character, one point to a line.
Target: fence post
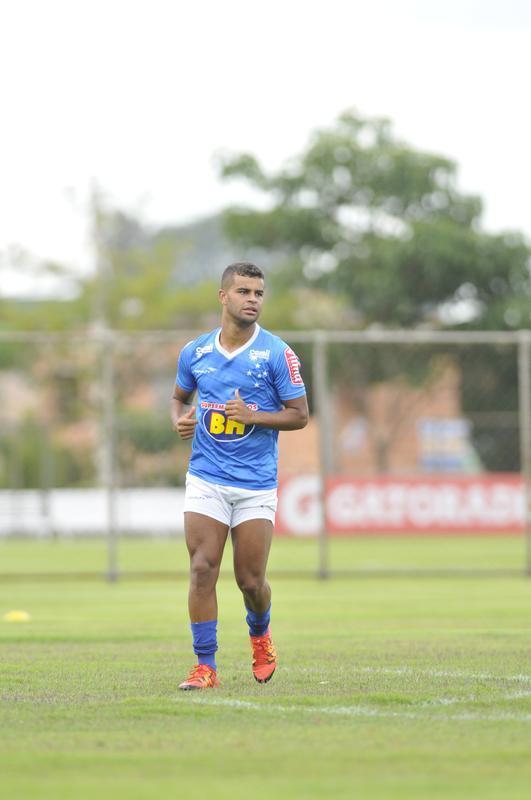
320	388
108	466
524	408
45	482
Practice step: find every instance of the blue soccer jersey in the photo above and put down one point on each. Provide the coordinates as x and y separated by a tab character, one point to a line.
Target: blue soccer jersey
266	372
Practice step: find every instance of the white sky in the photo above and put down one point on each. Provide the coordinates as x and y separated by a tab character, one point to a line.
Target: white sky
139	95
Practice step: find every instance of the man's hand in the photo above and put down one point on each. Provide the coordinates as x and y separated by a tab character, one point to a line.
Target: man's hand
237	410
185	425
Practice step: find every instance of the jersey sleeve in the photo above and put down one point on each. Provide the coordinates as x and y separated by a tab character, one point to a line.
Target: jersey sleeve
287	374
185	378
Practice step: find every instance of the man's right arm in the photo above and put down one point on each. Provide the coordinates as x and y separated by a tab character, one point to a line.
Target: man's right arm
182	422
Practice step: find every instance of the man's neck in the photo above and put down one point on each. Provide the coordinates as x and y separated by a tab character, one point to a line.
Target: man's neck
233	336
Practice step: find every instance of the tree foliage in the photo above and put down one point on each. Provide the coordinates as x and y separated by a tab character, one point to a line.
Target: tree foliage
365	217
136	285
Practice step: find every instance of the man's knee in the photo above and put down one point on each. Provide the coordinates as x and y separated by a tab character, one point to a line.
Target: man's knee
250	583
204	570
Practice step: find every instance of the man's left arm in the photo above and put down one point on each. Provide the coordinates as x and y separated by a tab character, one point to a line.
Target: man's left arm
293	416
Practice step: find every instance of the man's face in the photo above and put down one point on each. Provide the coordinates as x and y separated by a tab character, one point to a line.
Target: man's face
242	299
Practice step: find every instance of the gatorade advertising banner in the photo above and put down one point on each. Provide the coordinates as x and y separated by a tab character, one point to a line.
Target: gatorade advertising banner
436	505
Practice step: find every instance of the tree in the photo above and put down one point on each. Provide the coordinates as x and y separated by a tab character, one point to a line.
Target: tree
136	284
147	278
371	221
382	232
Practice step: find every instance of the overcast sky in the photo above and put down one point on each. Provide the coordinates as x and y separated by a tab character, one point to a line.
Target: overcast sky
140	95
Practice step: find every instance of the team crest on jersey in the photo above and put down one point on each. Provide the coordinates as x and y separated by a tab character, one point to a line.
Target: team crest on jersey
222	429
294	366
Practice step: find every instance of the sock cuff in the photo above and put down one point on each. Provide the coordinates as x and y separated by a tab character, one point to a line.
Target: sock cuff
208	625
204	637
258	622
259	614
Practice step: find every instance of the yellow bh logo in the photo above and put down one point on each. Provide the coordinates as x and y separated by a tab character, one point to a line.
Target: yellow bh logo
222	429
220	424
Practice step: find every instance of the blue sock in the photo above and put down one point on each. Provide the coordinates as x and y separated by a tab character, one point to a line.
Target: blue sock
258	622
205	641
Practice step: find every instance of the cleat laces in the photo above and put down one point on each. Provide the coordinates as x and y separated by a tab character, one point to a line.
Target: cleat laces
201	673
263	651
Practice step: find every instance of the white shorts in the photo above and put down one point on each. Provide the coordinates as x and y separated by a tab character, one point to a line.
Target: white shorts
228	504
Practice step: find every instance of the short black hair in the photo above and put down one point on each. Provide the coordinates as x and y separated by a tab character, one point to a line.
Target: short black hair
245	268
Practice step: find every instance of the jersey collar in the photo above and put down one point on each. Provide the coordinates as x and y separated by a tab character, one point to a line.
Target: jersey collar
237	352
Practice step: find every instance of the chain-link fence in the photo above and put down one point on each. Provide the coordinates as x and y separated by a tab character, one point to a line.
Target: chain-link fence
416	456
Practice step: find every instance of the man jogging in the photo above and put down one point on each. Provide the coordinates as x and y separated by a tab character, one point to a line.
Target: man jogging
249	388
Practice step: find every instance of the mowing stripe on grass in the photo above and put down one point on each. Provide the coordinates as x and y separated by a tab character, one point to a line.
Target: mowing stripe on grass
440	673
356	711
432	673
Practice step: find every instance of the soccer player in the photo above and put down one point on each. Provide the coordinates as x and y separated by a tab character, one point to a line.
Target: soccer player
249	388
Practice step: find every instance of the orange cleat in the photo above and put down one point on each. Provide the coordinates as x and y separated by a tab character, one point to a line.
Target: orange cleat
264	657
201	677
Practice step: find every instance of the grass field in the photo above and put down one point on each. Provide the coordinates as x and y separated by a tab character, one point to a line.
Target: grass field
361	554
389	687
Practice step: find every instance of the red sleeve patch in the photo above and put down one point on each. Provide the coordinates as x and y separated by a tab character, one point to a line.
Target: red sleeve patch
294	366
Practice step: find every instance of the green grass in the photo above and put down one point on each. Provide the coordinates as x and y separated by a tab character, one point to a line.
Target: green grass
361	553
387	688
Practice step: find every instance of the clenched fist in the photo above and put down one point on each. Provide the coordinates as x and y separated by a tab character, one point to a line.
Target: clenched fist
185	425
